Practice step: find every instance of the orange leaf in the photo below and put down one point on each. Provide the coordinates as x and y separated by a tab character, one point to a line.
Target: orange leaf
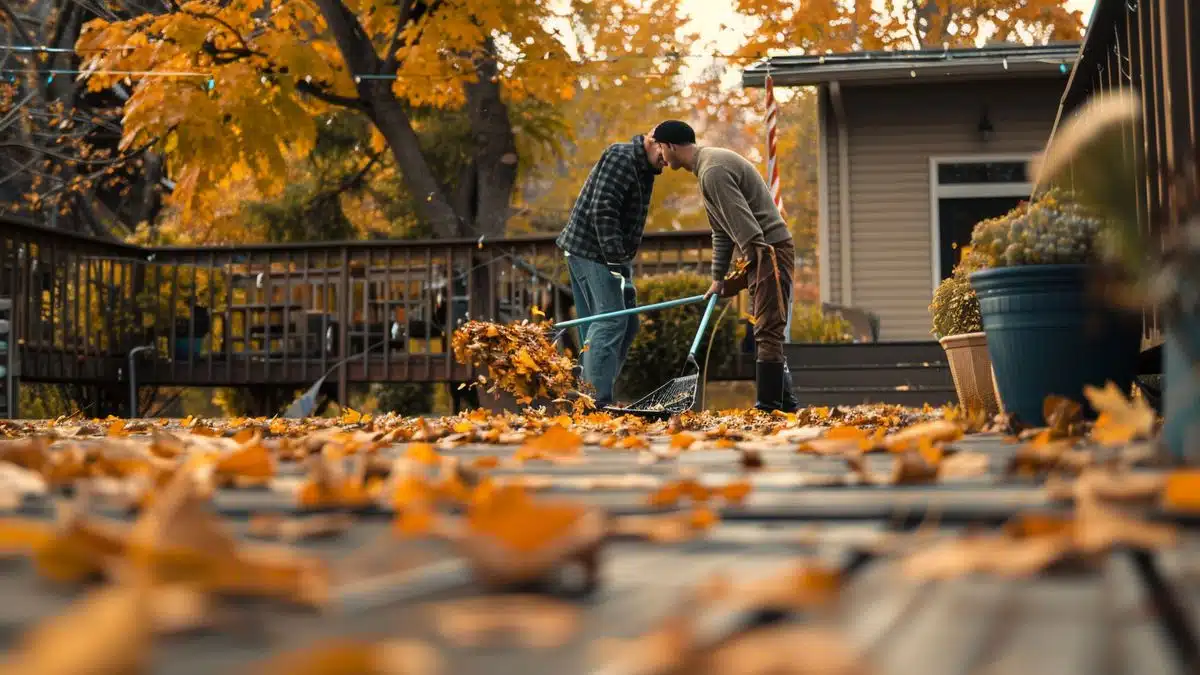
737	491
703	519
682	440
414	521
1182	490
244	436
485	462
423	453
634	443
253	462
667	495
556	441
844	433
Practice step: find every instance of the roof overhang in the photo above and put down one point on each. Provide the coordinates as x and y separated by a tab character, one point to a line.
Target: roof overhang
893	67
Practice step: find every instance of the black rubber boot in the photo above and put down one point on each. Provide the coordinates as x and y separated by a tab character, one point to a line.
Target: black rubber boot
790	404
768	376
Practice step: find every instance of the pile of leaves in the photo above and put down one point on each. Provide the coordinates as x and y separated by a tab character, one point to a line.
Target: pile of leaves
519	358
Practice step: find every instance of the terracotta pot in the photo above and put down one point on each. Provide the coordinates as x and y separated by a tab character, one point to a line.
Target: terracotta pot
972	371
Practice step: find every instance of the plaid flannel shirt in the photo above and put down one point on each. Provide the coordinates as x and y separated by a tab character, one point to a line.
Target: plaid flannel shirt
609	216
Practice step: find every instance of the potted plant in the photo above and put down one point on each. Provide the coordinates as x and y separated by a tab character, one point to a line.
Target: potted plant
1048	333
958	327
1091	154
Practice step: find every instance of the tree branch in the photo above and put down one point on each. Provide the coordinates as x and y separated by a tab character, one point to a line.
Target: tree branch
17	26
319	92
350	37
391	60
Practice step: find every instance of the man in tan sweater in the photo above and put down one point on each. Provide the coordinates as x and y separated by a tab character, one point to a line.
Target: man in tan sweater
742	213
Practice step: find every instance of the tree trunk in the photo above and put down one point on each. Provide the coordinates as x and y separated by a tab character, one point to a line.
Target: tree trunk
495	157
390	118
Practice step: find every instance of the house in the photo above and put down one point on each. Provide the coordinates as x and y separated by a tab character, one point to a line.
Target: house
915	148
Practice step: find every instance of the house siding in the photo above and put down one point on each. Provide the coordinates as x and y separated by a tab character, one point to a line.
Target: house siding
832	199
894	130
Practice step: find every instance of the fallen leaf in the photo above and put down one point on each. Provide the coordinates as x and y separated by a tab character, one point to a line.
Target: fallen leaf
937	431
1121	420
556	441
1061	414
108	632
423	453
963	464
346	656
292	530
1181	490
531	621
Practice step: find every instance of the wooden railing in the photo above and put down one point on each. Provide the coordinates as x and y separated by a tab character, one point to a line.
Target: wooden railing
369	311
1147	46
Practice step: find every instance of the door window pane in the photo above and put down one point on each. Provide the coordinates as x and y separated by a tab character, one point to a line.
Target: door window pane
982	172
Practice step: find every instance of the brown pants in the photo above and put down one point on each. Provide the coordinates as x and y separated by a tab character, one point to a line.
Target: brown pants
771	271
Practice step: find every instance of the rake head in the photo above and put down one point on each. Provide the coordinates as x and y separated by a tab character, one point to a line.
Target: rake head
673	398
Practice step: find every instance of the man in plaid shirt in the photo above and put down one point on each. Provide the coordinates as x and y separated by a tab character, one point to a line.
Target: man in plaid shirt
600	241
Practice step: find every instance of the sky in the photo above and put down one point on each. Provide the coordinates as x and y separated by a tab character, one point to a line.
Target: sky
708	17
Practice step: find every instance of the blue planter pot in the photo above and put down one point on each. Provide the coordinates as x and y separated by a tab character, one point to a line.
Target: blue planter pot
1046	335
1181	400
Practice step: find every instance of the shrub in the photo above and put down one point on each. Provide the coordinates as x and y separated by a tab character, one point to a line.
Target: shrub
1052	230
663	337
812	324
404	398
955	307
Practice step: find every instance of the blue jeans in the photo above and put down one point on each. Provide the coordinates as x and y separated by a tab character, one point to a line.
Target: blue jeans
597	291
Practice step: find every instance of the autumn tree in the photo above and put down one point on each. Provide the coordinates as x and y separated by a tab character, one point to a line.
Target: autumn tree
846	25
253	75
60	164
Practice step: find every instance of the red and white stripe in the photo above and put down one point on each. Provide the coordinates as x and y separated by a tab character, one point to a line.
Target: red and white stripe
772	163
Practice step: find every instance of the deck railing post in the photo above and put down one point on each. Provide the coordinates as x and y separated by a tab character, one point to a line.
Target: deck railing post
344	296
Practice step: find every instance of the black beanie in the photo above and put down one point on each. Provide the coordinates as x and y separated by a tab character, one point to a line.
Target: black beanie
674	132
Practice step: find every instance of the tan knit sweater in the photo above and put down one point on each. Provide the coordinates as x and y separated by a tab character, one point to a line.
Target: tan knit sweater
739	205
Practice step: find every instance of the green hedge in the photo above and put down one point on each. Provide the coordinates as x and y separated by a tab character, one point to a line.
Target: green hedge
811	324
660	349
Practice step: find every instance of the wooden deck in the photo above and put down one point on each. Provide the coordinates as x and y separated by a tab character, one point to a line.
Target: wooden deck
1105	620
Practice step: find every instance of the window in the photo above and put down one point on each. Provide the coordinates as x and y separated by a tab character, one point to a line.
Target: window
959	173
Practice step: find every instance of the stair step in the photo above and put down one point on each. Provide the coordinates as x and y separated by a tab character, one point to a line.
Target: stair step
872	376
868	353
911	396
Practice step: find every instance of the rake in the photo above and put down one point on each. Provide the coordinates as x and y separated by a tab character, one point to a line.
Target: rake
678	395
561	327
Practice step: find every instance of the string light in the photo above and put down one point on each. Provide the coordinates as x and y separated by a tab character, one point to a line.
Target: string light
210	80
619	57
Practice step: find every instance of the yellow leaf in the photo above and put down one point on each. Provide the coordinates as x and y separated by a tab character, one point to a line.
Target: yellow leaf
351	416
1121	420
931	453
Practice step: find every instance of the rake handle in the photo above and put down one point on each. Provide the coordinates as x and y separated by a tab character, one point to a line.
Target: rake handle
631	310
712	304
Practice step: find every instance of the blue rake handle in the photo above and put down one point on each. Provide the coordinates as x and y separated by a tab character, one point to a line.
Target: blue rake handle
708	311
632	310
